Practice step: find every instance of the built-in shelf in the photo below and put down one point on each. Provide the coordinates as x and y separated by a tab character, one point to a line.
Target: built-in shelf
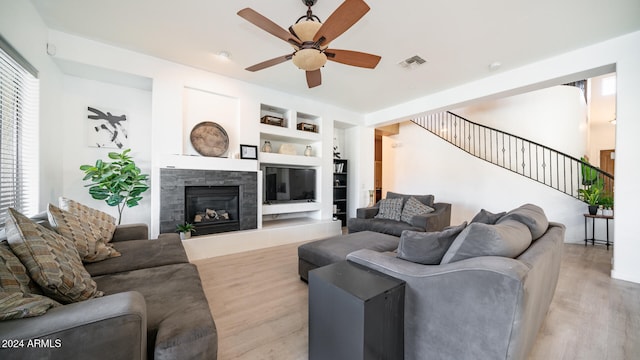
271	209
291	132
283	159
340	190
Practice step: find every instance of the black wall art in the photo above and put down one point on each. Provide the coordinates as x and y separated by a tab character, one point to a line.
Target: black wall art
107	128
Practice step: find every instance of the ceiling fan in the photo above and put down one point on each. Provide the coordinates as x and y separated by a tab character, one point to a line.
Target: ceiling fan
310	39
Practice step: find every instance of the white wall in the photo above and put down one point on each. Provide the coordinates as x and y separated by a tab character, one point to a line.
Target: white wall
544	116
169	134
23	28
602	136
79	93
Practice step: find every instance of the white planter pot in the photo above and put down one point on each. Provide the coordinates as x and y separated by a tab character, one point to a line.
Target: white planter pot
185	235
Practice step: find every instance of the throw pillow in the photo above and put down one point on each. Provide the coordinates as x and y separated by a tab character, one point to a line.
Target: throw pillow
412	208
509	239
427	248
101	220
425	199
86	236
390	209
16	305
532	216
51	260
13	275
487	217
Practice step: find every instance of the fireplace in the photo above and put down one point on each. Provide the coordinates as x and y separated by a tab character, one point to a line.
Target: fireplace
223	193
212	209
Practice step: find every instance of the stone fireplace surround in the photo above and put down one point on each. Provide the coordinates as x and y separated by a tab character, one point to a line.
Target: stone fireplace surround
172	194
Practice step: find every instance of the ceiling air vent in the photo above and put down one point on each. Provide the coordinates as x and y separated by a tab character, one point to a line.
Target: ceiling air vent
412	62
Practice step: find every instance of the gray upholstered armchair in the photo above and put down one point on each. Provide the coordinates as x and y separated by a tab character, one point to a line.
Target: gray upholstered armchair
437	220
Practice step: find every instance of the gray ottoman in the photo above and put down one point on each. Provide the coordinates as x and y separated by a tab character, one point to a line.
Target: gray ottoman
330	250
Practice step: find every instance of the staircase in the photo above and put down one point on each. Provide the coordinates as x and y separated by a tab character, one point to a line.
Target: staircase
524	157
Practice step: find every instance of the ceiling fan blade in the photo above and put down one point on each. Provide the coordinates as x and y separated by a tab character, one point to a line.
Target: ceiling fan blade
267	25
314	78
268	63
341	20
353	58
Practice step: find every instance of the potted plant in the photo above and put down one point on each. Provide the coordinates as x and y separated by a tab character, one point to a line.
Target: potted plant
591	196
118	183
185	230
606	202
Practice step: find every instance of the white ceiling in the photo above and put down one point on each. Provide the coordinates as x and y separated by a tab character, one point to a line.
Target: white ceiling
458	38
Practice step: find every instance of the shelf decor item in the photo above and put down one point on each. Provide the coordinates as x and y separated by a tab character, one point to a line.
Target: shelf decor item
209	139
272	120
288	149
249	152
307	127
372	198
267	146
308	151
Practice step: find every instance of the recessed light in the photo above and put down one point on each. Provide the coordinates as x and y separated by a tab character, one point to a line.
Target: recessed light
495	66
224	55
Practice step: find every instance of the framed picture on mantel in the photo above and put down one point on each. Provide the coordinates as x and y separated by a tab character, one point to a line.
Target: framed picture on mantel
249	152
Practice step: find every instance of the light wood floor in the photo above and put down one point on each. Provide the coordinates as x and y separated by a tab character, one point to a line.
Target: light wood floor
260	307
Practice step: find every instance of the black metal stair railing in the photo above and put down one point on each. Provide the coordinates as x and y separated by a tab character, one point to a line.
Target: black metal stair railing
537	162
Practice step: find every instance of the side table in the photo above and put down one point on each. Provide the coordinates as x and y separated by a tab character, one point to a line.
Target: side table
593	229
355	313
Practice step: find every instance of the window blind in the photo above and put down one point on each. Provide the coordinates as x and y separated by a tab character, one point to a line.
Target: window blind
19	99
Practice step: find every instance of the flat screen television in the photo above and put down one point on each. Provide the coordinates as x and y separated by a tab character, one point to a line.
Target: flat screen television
289	184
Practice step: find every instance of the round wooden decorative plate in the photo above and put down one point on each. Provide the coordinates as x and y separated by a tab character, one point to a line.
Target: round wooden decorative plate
209	139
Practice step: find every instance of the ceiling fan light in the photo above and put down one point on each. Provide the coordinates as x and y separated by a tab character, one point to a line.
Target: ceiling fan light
306	30
309	59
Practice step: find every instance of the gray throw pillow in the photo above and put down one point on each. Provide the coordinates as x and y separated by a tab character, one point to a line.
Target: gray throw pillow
425	199
487	217
532	216
390	209
427	248
509	239
412	208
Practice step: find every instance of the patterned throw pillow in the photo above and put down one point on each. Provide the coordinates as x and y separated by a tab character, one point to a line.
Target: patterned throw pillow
13	275
390	209
18	293
85	234
101	220
16	305
412	208
51	260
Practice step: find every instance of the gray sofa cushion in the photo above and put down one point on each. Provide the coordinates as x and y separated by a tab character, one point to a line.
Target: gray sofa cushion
509	238
487	217
425	199
390	209
427	248
179	322
327	251
141	254
530	215
384	226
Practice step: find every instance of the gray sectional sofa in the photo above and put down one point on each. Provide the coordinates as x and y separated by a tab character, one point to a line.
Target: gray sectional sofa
476	291
153	307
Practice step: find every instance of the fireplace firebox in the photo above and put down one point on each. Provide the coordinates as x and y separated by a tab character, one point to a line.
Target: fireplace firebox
212	209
